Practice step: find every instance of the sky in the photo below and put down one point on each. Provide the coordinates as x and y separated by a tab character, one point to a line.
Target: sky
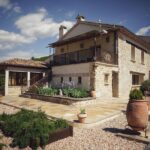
28	26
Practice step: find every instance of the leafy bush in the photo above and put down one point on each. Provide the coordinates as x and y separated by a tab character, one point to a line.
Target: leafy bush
82	111
33	89
29	128
136	95
47	91
145	86
75	92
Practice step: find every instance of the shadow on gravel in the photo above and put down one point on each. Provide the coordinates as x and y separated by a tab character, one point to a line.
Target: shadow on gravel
123	131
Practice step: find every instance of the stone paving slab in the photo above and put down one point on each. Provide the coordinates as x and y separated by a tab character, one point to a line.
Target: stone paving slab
96	112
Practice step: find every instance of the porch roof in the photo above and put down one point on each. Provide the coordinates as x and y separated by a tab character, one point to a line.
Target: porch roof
16	62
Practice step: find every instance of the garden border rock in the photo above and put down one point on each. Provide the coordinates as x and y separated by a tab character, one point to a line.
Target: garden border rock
57	99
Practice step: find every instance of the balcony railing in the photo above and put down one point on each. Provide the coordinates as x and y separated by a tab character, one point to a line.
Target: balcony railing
80	56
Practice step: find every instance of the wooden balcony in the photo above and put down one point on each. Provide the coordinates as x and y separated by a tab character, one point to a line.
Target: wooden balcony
83	56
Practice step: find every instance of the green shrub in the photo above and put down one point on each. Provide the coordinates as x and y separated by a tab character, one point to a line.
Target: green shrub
30	128
136	95
47	91
145	86
82	111
75	92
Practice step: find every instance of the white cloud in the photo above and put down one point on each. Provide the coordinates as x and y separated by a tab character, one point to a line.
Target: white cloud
143	30
38	25
122	22
6	4
9	40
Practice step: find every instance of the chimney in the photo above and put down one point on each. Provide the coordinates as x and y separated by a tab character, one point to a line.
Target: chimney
80	18
61	31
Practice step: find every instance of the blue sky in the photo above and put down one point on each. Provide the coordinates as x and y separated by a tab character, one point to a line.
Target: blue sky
27	26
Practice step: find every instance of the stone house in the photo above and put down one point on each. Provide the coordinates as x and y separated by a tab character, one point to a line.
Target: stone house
106	58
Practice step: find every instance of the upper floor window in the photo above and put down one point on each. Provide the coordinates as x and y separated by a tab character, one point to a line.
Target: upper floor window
107	39
132	53
81	45
142	57
62	50
137	79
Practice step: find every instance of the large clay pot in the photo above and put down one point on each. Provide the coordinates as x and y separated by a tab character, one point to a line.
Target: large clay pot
137	114
93	94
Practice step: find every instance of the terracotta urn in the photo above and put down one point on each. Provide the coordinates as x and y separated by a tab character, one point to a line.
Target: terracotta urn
93	94
137	114
82	117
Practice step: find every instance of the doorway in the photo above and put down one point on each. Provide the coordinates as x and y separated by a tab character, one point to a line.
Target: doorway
115	82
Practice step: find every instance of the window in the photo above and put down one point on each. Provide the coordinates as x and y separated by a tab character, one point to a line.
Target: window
61	79
62	50
107	39
142	57
17	78
135	79
106	76
79	80
132	53
70	79
81	45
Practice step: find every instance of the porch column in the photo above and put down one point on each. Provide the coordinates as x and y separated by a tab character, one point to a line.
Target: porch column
6	81
28	79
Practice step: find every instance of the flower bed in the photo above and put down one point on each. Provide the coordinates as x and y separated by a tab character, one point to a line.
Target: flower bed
33	129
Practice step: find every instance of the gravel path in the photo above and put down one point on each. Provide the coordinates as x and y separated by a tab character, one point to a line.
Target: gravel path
96	138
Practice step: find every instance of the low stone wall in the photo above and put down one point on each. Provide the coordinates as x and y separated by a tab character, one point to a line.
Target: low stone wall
60	99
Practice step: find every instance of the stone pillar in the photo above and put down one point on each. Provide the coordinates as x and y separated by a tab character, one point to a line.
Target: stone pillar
28	79
6	81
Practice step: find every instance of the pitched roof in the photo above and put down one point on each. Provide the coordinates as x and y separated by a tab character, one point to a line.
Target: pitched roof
145	38
24	63
122	29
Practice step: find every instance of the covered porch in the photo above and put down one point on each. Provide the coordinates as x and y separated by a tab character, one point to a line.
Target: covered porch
17	78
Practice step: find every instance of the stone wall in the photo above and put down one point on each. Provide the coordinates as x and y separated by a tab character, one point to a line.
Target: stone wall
103	89
126	66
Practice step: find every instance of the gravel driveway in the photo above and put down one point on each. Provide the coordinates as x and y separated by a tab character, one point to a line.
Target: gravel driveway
101	137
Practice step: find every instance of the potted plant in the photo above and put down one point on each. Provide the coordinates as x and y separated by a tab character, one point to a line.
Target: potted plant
82	115
145	88
137	111
93	93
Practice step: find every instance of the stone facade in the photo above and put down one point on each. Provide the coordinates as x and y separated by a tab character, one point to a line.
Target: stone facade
109	78
127	66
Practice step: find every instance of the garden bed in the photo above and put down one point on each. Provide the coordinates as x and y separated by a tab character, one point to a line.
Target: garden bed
33	129
57	99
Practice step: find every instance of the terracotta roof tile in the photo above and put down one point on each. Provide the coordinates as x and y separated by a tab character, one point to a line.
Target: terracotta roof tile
23	63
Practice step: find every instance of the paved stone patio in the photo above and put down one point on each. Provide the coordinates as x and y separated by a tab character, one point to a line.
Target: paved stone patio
96	112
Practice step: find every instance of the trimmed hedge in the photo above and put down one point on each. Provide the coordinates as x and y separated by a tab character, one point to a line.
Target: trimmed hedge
136	95
30	128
